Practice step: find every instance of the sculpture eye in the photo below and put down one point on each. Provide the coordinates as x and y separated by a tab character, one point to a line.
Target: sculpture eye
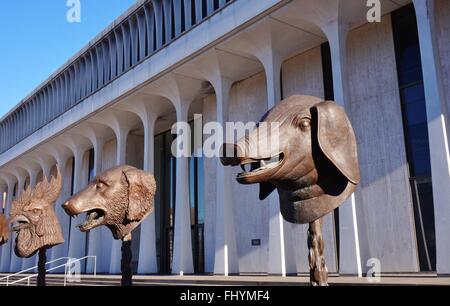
305	124
100	185
302	122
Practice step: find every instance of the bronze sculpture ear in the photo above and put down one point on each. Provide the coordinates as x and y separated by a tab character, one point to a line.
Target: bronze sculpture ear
337	139
141	190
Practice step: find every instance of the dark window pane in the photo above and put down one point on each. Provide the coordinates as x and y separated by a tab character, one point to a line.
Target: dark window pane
407	46
91	173
419	150
409	68
414	105
411	65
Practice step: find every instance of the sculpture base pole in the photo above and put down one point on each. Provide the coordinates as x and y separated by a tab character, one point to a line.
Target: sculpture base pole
41	267
318	273
125	264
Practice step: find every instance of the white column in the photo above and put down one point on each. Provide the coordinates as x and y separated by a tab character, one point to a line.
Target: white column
33	178
16	262
116	252
30	262
77	243
182	249
437	129
3	189
98	155
147	245
350	258
95	235
225	259
7	248
64	220
281	253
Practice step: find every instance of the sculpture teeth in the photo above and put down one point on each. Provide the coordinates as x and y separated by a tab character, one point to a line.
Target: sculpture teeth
92	216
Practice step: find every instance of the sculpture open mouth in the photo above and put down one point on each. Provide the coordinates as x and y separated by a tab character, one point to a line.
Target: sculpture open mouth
94	218
19	223
258	168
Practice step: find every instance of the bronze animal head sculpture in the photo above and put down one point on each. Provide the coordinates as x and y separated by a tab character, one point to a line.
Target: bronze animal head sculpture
119	198
37	225
4	229
315	167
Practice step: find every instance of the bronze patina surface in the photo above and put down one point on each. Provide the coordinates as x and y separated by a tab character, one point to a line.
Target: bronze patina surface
34	219
119	198
314	167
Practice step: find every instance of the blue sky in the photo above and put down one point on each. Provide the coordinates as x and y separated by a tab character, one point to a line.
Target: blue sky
36	39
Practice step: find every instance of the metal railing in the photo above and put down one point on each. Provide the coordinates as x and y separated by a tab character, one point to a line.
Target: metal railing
29	269
66	266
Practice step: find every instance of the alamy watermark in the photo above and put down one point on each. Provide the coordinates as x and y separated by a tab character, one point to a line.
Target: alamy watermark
374	273
207	140
374	12
73	271
74	13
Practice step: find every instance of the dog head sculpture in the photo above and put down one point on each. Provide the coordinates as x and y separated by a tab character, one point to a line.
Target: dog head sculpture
314	165
4	229
119	198
36	223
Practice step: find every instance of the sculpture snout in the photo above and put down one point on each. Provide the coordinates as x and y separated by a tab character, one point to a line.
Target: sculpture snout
72	207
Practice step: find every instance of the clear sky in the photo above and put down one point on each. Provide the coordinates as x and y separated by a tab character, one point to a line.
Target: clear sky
36	39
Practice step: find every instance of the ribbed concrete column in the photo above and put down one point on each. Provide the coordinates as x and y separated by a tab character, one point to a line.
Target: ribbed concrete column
350	259
116	253
182	250
64	220
147	248
281	253
7	248
30	262
95	235
16	262
437	129
46	165
225	259
77	243
33	177
3	189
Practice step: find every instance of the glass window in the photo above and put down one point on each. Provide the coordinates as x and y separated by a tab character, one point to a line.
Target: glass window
196	204
164	172
412	95
91	173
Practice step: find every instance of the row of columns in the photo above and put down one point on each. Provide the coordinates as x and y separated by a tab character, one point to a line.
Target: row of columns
281	259
281	255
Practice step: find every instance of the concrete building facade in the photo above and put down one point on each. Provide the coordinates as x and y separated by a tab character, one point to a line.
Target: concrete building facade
163	61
